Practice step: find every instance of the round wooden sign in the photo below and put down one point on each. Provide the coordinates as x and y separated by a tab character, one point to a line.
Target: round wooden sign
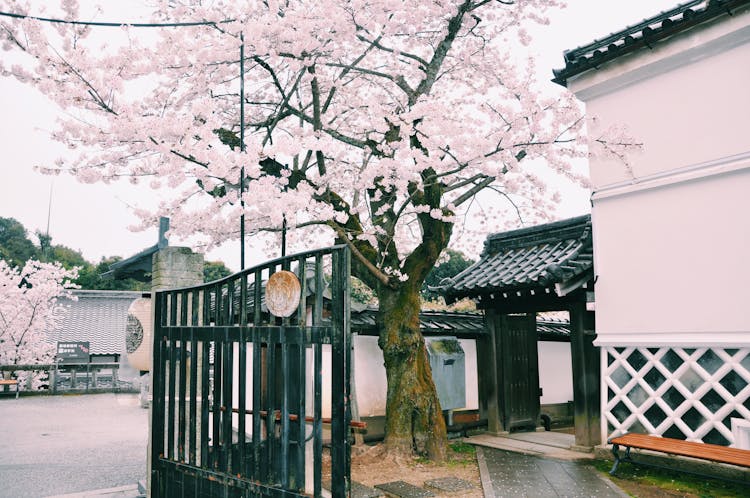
283	293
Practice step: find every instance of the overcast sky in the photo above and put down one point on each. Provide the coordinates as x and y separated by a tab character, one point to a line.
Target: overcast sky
95	218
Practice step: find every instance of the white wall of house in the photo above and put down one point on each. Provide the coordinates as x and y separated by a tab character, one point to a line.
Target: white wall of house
671	233
555	372
670	230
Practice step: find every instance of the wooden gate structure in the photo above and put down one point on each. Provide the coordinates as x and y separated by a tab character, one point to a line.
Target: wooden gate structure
238	394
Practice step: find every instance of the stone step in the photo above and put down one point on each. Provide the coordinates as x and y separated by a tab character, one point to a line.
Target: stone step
361	491
448	485
358	490
401	489
443	485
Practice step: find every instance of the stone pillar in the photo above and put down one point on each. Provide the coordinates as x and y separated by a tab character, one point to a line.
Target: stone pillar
176	267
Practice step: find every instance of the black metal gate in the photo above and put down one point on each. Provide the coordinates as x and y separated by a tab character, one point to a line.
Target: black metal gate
238	394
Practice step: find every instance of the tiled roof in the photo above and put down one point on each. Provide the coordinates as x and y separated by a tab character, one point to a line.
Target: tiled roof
430	322
544	258
99	317
139	265
645	34
461	325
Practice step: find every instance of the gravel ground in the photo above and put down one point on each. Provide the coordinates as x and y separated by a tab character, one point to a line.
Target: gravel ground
53	445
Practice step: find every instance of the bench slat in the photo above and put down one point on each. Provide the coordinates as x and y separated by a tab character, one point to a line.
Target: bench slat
8	382
705	451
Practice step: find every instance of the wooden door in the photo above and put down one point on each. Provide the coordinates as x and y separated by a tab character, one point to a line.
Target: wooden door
519	364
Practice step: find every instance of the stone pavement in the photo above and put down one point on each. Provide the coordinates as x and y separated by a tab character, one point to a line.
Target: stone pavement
516	475
52	445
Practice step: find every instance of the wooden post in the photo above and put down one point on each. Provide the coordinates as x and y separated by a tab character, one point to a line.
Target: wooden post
586	376
53	379
487	374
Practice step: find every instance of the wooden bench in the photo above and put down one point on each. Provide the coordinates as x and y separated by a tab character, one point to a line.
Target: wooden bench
704	451
9	382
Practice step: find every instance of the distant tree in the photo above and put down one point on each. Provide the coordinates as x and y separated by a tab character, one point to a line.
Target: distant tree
29	307
455	263
214	270
66	256
15	246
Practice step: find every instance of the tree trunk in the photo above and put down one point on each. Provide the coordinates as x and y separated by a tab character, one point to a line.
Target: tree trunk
414	421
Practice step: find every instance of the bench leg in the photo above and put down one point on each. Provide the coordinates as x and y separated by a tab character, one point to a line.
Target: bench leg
616	453
618	459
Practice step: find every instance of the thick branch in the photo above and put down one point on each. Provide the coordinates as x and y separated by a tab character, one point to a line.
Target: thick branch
441	51
361	258
473	191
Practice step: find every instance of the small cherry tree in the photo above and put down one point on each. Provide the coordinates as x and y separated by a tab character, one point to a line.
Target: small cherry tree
374	123
29	310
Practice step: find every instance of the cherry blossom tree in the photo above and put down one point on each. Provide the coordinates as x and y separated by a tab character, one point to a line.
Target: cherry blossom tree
375	123
29	309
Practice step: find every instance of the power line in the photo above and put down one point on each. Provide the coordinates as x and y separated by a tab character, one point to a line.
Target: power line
116	24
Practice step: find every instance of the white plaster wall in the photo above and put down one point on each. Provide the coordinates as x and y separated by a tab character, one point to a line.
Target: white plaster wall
555	372
369	376
673	263
686	116
671	234
370	379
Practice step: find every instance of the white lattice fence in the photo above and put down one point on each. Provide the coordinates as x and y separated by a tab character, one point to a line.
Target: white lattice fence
684	393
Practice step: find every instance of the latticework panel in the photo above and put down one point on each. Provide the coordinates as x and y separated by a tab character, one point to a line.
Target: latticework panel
683	393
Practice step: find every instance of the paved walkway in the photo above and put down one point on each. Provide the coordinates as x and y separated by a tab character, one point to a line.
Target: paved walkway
52	445
516	475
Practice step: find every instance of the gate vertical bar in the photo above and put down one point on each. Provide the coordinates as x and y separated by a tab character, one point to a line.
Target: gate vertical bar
318	380
205	383
340	365
257	375
300	381
193	378
216	421
284	454
157	403
242	377
182	407
227	381
270	404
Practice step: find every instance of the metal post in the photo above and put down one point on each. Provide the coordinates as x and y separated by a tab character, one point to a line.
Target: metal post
283	238
242	149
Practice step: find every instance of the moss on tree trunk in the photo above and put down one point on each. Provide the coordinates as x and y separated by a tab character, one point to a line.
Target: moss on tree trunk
414	421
